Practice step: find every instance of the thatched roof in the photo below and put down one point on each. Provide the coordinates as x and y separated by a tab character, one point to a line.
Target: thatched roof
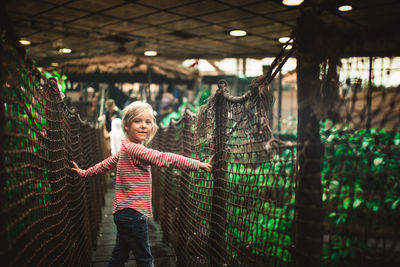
125	67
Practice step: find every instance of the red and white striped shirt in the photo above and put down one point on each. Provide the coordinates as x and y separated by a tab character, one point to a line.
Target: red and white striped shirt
133	181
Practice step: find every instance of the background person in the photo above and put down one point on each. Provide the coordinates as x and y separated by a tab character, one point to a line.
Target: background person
116	135
112	112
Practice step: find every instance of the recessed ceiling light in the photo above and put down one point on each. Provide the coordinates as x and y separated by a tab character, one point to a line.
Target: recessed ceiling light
150	53
345	8
284	39
238	33
65	50
24	42
292	2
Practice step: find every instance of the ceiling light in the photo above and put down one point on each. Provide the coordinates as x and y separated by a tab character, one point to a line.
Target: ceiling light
64	50
345	8
288	47
284	40
238	33
24	42
54	64
292	2
150	53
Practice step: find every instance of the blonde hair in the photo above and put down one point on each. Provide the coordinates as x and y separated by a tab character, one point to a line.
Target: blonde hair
136	109
110	102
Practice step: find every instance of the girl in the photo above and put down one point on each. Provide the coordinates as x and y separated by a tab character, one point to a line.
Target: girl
132	206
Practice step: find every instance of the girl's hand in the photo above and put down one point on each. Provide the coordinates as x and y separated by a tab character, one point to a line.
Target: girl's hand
207	166
76	167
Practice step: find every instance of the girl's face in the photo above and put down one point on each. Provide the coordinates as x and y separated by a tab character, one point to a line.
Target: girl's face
140	128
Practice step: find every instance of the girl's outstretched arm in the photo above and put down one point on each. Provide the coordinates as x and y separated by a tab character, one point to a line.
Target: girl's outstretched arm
164	159
101	167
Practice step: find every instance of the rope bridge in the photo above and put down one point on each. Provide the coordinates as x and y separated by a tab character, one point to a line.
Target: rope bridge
335	188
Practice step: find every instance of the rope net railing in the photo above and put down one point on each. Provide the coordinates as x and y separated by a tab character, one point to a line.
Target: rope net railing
229	217
49	217
330	197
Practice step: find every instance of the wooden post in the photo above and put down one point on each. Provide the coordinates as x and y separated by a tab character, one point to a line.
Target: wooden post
369	94
103	88
308	193
218	212
279	103
244	64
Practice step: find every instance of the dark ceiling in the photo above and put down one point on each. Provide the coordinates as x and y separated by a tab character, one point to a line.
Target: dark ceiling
182	29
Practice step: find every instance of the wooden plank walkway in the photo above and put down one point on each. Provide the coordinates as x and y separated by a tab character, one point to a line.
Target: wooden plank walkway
162	253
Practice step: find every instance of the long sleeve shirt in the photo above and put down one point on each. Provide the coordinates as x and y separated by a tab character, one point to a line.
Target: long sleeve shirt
133	188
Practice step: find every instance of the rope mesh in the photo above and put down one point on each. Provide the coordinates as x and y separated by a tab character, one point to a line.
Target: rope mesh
49	217
231	216
335	187
251	211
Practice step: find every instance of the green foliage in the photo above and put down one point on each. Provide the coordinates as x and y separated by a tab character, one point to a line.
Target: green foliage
267	226
200	99
361	187
26	189
289	125
203	97
176	115
59	78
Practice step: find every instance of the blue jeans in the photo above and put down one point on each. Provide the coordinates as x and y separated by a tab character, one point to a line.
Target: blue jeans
132	235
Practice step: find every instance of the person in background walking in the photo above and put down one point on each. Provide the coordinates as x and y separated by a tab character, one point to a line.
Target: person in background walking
112	113
116	135
133	189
